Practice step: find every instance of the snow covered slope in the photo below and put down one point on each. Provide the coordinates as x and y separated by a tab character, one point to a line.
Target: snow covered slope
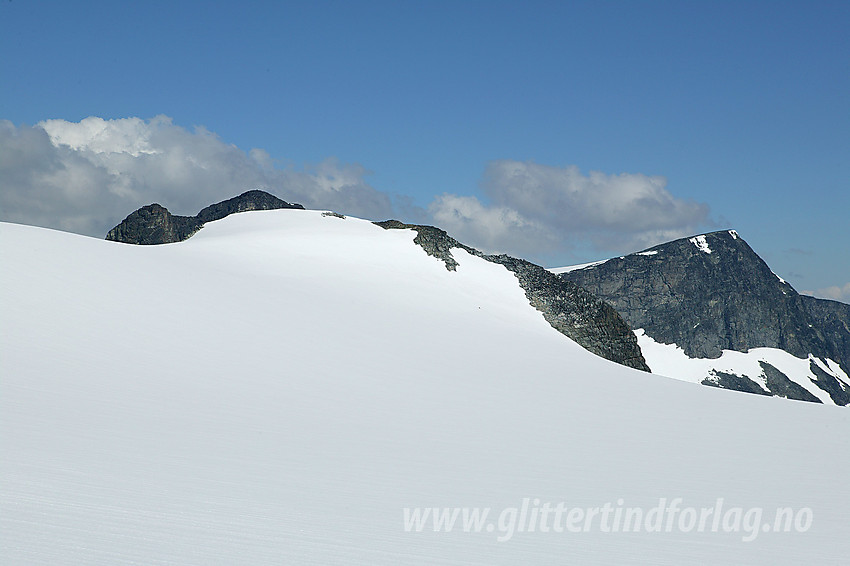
282	386
756	366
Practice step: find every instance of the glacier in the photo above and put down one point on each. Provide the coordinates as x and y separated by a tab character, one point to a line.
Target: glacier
281	386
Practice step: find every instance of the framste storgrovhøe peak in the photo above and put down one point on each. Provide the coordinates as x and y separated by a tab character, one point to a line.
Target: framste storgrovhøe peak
712	293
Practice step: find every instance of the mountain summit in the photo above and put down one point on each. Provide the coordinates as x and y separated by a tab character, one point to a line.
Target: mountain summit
711	294
154	224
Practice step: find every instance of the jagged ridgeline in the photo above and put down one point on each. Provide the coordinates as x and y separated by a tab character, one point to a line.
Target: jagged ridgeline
568	308
153	224
711	293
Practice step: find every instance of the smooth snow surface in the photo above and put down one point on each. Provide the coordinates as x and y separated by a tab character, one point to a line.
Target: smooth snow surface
701	243
278	388
671	361
569	268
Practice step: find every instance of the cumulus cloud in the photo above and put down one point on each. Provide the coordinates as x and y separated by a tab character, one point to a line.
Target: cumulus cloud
87	176
491	228
560	206
835	293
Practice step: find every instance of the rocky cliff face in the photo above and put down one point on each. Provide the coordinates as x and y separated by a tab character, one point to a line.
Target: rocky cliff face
713	292
833	321
250	200
568	308
153	224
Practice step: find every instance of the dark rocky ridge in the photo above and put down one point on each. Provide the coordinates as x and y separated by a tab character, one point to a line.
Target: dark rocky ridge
726	380
153	224
779	384
250	200
570	309
435	242
840	395
728	299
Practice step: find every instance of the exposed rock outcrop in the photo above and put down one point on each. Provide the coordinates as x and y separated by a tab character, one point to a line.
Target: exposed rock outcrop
434	241
568	308
153	224
250	200
575	312
728	380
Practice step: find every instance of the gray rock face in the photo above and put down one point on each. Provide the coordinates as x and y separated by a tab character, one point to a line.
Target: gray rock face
726	380
713	292
839	394
568	308
779	384
250	200
776	382
436	243
833	320
153	224
575	312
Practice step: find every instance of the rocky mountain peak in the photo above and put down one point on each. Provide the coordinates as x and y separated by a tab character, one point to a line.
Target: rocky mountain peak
712	292
154	224
249	200
706	293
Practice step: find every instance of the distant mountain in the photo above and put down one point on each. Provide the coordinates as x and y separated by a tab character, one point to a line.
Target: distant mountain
712	294
154	224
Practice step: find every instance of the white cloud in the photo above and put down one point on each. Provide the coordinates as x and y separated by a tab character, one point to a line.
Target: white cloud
561	206
835	292
128	135
490	229
87	176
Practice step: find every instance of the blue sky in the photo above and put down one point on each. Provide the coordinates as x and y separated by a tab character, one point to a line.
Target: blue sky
487	118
